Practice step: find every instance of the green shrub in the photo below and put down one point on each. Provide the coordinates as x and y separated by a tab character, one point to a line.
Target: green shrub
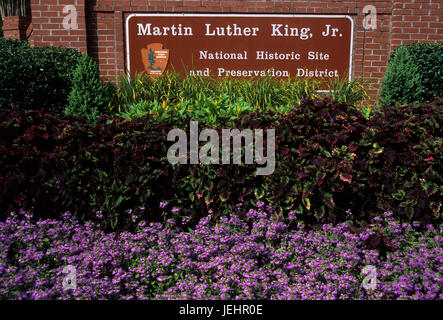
88	96
35	78
413	74
57	65
429	59
18	75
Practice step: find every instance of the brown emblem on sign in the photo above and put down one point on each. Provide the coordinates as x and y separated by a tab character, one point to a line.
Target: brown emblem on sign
155	59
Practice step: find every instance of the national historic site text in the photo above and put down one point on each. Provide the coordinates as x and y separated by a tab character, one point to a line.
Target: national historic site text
241	46
233	30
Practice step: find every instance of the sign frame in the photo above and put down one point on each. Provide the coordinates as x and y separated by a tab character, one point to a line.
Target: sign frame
271	15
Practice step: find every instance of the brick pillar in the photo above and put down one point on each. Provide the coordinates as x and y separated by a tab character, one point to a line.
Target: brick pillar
15	27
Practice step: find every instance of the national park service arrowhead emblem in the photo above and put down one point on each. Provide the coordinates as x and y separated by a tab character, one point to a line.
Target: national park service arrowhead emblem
155	59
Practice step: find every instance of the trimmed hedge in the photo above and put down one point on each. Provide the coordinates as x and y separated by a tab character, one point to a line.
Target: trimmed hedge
35	78
329	158
413	74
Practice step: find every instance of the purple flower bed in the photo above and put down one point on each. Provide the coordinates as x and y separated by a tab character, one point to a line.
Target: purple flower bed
259	256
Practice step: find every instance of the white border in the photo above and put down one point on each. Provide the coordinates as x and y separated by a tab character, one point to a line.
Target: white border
237	15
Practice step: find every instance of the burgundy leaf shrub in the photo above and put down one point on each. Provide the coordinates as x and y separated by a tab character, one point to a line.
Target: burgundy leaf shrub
329	159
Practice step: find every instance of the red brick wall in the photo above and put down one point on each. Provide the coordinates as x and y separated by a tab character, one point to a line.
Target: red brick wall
47	24
101	26
16	27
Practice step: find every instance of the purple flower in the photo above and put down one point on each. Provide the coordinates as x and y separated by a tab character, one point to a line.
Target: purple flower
257	256
163	204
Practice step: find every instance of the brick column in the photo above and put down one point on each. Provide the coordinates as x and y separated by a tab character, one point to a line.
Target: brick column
15	27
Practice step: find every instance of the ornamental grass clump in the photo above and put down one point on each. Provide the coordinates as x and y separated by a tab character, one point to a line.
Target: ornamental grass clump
262	94
38	78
